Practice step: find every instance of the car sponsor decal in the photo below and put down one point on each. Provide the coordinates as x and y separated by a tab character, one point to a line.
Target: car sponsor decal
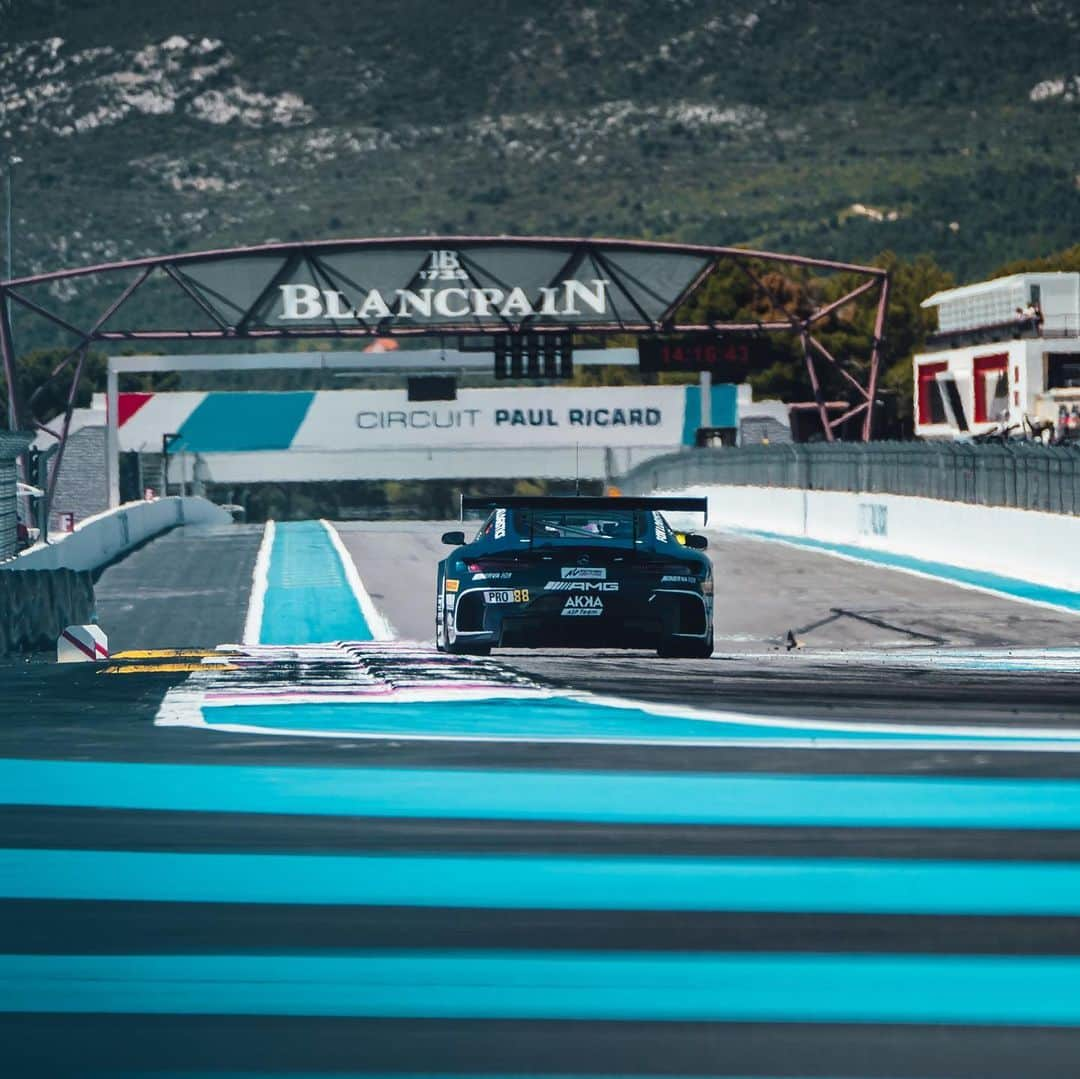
451	584
486	576
583	573
676	579
659	527
583	607
582	586
506	595
500	524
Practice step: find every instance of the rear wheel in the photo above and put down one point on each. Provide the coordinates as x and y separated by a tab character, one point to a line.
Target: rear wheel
685	648
462	649
446	640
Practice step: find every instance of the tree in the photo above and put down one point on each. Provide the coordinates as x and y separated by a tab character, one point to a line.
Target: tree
1067	261
32	371
731	294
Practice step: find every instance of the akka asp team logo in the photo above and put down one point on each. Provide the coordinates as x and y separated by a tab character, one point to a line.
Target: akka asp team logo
583	606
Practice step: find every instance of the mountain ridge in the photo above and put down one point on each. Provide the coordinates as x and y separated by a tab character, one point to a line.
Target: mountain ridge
836	132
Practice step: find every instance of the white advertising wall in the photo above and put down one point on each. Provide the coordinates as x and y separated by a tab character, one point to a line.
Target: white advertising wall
1022	544
549	432
544	416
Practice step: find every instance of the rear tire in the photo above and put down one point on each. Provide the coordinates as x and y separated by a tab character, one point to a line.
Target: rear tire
685	648
457	647
468	648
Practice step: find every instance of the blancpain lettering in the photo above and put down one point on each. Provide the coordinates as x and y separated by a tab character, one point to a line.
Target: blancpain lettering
583	573
307	303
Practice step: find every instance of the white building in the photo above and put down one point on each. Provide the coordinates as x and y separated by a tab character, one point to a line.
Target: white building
988	366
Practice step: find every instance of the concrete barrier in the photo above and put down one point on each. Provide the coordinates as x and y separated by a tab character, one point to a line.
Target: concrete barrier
36	605
100	539
1024	545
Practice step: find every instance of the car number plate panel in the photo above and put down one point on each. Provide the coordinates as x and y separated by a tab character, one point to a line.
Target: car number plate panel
506	595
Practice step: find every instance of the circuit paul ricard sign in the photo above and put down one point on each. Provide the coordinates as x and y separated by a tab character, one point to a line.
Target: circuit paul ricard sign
445	288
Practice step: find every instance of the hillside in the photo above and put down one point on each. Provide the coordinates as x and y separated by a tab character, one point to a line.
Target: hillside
916	127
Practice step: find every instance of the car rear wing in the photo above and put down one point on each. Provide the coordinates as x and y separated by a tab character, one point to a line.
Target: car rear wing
585	502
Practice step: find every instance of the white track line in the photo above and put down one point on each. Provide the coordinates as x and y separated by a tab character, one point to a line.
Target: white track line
927	575
259	580
381	630
745	742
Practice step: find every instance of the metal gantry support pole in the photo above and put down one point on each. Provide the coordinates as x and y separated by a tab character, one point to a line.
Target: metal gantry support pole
875	358
7	354
7	335
815	384
11	163
112	433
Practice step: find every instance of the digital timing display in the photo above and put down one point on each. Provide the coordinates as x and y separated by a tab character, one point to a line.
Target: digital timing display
731	358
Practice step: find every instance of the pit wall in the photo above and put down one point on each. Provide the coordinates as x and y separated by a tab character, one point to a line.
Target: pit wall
100	539
1024	545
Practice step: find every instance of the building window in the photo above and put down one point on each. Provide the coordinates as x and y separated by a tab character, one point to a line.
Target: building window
931	406
1062	370
991	376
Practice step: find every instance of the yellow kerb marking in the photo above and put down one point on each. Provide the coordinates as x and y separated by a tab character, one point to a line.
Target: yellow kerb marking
165	653
164	668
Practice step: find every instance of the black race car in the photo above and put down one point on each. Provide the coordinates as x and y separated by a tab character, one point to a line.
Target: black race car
551	572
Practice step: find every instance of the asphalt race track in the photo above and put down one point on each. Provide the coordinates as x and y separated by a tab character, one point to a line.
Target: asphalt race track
187	587
295	857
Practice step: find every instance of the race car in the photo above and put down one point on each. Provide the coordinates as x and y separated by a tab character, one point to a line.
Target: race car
576	572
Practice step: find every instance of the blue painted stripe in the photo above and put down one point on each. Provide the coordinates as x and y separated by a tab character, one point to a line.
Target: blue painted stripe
724	408
238	422
565	718
841	801
1016	990
308	598
1007	586
855	886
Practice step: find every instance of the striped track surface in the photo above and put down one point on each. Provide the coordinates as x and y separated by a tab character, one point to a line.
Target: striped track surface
348	915
543	914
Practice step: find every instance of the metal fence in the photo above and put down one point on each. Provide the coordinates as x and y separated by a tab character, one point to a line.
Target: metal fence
1023	475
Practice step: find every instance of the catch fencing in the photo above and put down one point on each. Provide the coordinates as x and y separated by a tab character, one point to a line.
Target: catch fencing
1020	475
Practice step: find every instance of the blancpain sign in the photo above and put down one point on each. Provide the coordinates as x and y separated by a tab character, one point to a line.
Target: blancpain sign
452	297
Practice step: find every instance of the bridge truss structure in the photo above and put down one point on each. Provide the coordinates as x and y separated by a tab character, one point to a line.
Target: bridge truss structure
436	286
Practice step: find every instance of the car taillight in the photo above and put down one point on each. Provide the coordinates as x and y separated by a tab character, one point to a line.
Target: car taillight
487	565
670	568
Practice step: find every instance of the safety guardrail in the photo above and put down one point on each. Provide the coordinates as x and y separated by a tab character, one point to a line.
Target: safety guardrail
1019	475
101	539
